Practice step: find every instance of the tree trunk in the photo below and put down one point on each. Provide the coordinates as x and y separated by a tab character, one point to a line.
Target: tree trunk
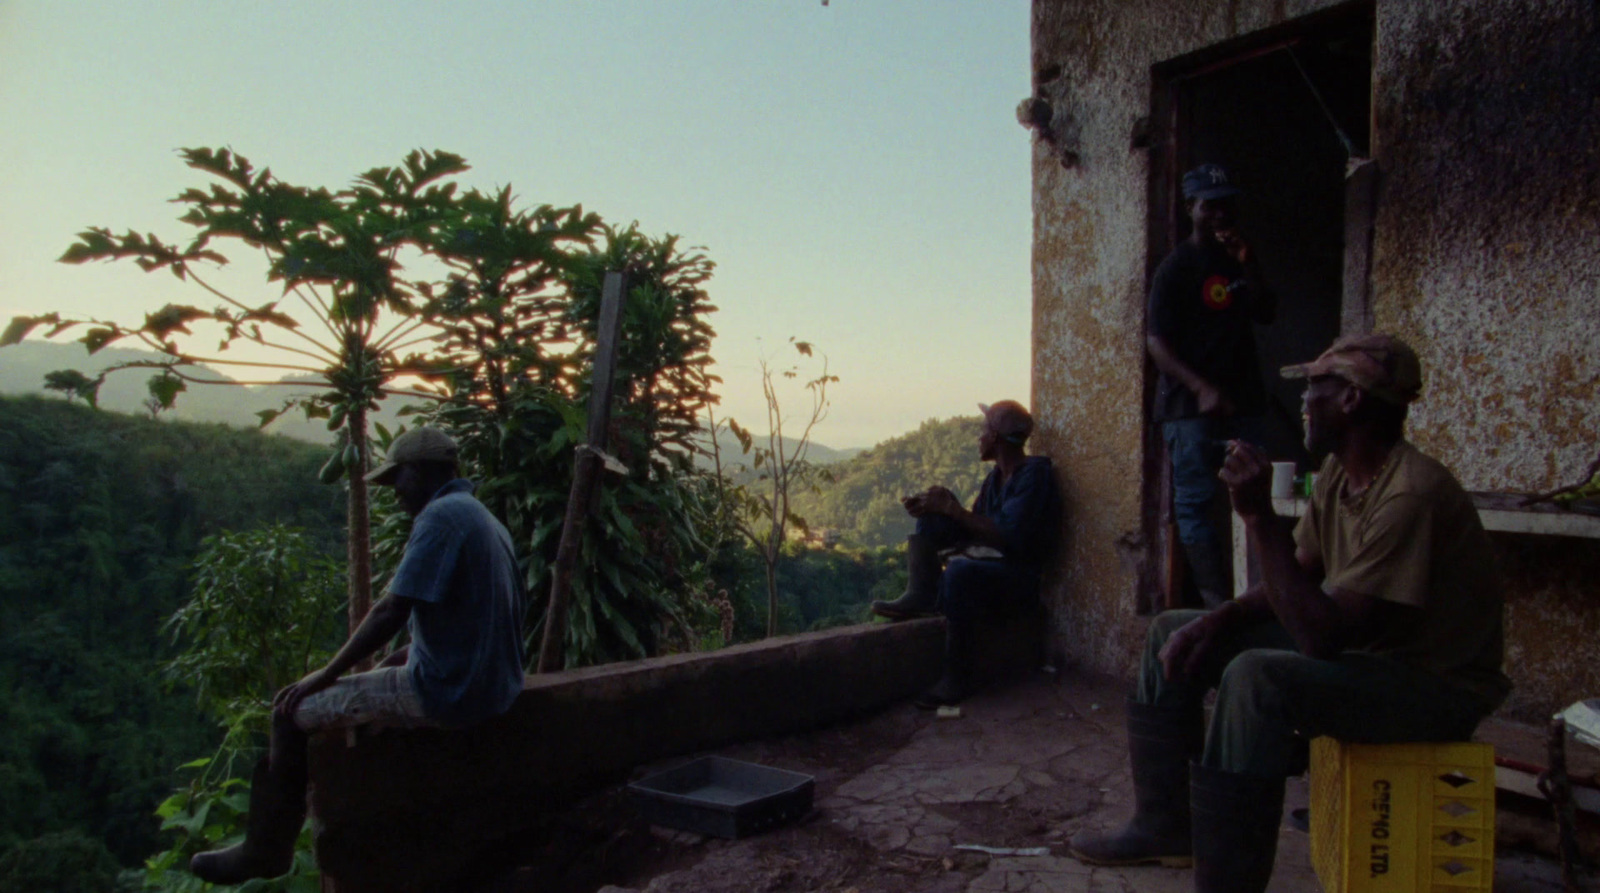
359	546
772	591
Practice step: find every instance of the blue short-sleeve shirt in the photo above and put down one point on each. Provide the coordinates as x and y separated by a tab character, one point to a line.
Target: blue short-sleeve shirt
459	572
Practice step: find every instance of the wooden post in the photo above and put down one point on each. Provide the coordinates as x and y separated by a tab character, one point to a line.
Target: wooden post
585	472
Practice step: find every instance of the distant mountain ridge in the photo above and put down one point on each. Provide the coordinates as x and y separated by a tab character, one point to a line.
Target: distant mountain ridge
23	367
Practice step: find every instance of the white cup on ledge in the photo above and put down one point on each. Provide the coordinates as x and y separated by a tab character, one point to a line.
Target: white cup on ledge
1282	480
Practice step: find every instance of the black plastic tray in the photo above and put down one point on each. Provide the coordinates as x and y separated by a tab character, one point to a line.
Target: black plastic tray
723	797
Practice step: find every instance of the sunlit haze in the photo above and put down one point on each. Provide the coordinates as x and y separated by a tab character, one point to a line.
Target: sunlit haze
855	170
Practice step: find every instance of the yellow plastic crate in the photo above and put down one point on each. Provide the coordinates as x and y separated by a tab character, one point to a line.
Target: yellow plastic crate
1387	818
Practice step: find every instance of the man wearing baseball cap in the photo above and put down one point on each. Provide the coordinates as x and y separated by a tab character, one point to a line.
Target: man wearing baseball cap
1003	538
456	591
1205	299
1378	620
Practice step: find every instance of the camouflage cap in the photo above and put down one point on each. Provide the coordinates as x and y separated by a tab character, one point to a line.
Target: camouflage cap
1379	364
417	445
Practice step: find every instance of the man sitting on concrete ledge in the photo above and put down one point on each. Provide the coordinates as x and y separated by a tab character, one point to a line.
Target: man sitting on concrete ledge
1005	537
1379	621
458	592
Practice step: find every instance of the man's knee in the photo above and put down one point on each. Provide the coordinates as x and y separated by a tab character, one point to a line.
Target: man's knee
961	587
1259	680
1166	624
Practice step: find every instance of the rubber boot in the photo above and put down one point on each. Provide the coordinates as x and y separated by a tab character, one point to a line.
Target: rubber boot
1235	830
921	598
955	683
1209	571
1160	742
277	810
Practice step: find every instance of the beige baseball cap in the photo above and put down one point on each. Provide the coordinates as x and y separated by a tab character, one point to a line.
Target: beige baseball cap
1009	418
1379	364
417	445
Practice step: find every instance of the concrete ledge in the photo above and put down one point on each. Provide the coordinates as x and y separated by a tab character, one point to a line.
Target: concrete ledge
417	809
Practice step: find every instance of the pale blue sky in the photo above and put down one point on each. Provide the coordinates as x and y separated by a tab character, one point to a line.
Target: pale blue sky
855	170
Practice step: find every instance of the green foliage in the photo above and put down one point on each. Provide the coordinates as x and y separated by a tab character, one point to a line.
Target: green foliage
210	813
64	862
263	614
100	517
862	500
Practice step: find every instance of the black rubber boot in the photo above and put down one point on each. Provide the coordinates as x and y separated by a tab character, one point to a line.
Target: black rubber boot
1161	741
1235	830
1207	565
921	598
955	684
277	810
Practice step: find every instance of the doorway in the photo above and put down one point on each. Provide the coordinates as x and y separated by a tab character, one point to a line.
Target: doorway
1287	112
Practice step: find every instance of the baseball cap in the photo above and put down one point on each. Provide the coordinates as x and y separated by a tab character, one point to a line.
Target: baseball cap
1010	420
1380	364
1208	181
417	445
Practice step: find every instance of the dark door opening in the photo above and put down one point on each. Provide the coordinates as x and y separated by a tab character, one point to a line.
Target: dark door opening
1285	111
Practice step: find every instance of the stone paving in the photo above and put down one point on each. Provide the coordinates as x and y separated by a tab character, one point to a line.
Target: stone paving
1023	767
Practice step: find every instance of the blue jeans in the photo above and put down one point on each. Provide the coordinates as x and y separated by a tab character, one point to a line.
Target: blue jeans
1196	447
972	588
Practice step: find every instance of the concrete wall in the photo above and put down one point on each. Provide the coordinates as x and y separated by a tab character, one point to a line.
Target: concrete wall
433	809
1486	257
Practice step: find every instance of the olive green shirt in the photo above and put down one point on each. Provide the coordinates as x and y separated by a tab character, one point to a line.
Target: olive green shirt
1413	540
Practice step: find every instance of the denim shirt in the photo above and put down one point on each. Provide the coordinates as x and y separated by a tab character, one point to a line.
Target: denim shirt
1024	508
459	572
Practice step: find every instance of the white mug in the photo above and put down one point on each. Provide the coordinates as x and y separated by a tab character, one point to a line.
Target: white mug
1282	480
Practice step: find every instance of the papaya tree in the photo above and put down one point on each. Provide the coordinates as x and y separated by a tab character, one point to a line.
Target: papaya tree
341	312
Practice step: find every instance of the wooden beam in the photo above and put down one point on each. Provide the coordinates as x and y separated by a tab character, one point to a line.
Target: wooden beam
587	463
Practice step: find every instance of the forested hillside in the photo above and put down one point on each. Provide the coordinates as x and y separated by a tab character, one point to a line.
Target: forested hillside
862	503
23	368
100	517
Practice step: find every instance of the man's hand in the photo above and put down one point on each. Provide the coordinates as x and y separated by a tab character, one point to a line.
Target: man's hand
1212	402
1188	649
1232	240
288	700
914	504
940	501
1248	474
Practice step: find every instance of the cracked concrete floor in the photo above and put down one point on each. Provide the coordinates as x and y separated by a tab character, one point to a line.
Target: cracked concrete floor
1025	766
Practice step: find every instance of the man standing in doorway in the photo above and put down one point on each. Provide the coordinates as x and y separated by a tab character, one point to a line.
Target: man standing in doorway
1205	297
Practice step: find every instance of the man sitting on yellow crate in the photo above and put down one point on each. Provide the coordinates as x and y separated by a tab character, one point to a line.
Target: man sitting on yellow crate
1378	621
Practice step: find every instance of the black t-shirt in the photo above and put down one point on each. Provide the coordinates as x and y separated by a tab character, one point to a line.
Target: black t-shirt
1201	305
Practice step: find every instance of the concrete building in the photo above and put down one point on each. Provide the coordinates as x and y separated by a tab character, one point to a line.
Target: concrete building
1424	167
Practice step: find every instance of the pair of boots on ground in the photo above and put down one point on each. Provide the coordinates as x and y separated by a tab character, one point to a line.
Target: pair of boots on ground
277	811
921	599
1223	823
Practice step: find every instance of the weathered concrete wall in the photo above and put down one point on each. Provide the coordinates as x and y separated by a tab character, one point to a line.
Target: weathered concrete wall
1089	262
1486	257
1487	246
423	809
